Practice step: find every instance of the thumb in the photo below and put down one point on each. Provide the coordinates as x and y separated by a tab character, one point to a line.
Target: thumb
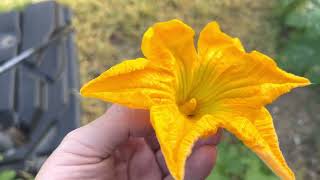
110	130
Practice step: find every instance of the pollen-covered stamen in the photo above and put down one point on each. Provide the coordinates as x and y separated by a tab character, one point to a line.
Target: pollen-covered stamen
188	108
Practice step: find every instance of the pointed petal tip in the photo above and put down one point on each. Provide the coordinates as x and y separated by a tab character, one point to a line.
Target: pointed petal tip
301	81
214	24
307	82
284	173
295	80
212	37
84	90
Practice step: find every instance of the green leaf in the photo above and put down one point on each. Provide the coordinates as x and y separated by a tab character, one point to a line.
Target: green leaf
314	73
235	162
306	15
7	175
300	54
215	175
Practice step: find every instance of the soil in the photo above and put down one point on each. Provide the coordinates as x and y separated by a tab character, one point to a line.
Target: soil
297	120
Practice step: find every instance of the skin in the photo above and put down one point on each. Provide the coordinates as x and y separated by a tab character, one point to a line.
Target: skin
121	145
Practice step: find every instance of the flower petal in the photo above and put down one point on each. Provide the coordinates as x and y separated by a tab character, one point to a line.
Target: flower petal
133	83
212	39
246	79
173	37
255	129
177	134
170	45
212	45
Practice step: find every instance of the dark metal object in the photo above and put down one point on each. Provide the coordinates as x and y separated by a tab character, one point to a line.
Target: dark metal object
9	40
41	106
23	56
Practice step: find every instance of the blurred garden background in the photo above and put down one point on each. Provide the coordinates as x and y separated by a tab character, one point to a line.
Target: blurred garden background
109	31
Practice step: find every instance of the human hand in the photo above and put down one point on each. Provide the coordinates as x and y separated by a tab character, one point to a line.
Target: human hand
121	145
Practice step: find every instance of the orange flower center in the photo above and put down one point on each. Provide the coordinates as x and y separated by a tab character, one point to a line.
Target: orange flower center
188	108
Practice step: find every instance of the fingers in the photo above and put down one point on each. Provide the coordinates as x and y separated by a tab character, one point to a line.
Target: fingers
200	162
143	164
162	163
211	140
152	141
106	133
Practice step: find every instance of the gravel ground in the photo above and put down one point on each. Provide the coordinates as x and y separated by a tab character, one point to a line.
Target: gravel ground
297	120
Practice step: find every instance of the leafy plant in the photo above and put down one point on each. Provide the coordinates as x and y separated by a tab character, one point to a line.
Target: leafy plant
299	46
236	162
7	175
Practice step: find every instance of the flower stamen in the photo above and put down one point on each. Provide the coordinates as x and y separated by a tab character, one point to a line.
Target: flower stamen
189	107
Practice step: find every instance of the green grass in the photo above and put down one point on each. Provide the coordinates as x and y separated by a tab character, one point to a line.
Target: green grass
236	162
7	175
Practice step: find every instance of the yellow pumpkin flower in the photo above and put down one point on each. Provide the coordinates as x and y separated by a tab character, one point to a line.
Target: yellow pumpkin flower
191	93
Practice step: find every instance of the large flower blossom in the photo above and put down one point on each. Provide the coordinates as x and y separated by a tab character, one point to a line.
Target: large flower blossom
191	93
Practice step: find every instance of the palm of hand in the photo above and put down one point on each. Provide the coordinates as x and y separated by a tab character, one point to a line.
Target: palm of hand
121	151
